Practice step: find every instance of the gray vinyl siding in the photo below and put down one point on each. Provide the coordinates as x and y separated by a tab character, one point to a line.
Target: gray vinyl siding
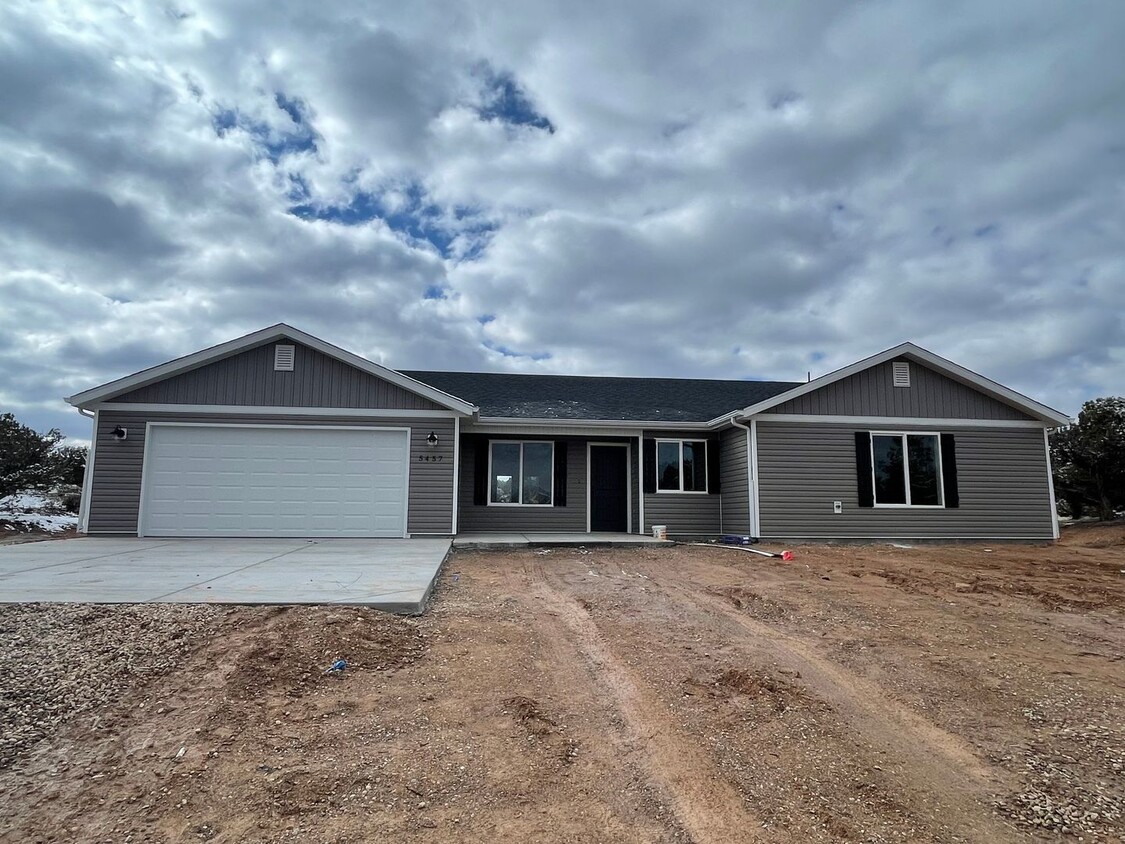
248	378
684	513
871	392
735	501
803	468
635	468
115	491
483	518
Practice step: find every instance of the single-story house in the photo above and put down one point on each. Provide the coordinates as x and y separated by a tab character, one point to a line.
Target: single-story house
279	433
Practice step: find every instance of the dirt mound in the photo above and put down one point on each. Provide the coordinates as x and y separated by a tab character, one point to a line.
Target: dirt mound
781	693
751	601
1094	535
300	643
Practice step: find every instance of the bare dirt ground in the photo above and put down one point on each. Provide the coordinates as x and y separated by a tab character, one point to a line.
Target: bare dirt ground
858	693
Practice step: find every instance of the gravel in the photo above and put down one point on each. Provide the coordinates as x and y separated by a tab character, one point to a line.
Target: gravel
57	660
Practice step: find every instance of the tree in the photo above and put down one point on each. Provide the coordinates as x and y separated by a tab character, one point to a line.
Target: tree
68	464
1089	459
34	461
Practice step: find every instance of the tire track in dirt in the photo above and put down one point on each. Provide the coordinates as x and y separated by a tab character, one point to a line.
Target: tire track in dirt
707	806
937	763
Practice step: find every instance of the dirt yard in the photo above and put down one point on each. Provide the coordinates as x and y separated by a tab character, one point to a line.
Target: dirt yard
657	695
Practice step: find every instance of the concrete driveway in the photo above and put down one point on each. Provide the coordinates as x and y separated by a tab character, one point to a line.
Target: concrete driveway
390	574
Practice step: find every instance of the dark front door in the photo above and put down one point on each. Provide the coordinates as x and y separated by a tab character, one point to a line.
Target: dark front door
609	488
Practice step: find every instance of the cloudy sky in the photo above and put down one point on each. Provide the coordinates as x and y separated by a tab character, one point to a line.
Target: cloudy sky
632	188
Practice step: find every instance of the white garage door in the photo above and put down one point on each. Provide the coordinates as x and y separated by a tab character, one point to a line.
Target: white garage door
214	480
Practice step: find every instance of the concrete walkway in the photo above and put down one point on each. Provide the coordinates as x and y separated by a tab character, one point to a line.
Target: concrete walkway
395	575
539	540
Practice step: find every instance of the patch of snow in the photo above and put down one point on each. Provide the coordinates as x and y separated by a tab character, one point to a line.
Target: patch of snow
35	511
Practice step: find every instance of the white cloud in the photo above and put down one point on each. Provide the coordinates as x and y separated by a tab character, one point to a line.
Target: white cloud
726	192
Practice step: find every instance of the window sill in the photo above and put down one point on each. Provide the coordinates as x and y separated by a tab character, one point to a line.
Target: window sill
516	504
909	506
680	492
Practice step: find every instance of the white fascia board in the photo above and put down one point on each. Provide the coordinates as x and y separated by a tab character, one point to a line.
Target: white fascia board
946	367
258	338
273	410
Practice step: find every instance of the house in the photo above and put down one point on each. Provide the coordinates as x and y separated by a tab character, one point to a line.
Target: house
279	433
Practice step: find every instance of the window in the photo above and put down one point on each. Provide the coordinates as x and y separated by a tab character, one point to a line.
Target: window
521	473
681	465
906	470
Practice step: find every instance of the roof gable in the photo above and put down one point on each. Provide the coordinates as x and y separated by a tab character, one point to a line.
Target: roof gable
250	378
855	390
177	373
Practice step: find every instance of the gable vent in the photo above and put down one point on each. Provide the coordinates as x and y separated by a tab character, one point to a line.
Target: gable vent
283	358
901	373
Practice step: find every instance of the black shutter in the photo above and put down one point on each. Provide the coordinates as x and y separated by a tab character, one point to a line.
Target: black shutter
560	473
480	470
863	469
714	483
949	470
648	470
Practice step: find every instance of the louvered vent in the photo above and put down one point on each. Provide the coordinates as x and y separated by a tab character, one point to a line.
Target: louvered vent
283	358
901	373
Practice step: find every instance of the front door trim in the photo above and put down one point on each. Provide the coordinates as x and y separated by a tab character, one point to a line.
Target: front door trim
628	483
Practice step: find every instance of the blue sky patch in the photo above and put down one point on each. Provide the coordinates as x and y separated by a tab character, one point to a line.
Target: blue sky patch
416	218
434	291
274	144
507	102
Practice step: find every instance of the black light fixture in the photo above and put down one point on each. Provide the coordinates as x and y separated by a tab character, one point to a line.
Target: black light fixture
432	440
120	433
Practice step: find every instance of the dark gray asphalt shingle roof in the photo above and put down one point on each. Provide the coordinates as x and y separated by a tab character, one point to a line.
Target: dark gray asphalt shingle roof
589	397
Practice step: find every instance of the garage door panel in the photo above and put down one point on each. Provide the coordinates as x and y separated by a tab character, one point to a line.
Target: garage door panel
218	480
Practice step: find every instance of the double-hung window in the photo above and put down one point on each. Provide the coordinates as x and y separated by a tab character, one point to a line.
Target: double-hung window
906	469
521	473
681	465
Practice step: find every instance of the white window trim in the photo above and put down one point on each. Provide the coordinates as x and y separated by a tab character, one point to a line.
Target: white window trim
706	460
521	444
906	470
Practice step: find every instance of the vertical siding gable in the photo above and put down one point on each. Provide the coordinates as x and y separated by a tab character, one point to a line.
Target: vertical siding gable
871	393
248	378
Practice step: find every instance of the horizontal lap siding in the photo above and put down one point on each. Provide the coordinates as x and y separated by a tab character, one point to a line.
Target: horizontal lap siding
477	518
735	481
116	487
871	392
685	514
1002	480
248	378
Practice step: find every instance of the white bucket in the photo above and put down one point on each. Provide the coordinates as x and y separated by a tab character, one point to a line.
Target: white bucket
660	531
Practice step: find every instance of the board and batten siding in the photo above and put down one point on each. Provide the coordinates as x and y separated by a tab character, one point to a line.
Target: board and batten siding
871	392
248	378
803	468
484	518
115	490
684	513
735	501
